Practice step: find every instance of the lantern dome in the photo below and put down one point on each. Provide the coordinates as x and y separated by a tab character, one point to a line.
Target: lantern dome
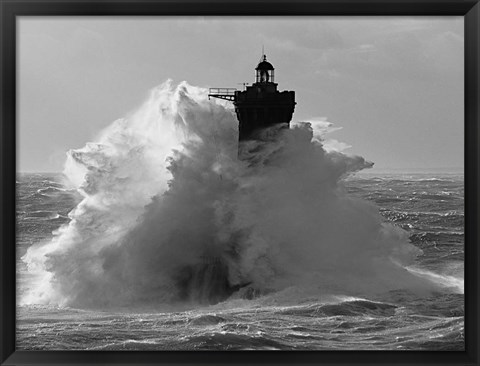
264	65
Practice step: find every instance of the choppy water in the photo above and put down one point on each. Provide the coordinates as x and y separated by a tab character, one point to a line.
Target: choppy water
428	207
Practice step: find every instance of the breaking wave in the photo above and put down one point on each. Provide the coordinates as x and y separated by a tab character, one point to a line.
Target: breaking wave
171	215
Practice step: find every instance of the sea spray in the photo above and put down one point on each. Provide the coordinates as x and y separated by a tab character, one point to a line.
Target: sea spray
164	190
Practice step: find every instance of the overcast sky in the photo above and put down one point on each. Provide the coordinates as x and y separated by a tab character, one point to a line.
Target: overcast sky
394	84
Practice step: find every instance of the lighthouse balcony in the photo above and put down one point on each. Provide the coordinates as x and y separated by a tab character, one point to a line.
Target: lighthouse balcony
222	93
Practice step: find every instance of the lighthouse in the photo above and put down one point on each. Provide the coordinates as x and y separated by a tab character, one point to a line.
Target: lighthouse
260	105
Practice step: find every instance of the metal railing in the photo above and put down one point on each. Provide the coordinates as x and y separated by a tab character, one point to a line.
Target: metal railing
222	93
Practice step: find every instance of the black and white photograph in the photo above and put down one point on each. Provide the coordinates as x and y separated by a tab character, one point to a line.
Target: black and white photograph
227	183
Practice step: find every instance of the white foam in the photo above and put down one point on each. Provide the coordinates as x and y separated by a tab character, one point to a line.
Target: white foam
447	281
163	187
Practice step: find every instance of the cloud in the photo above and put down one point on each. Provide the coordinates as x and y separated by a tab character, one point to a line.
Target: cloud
412	51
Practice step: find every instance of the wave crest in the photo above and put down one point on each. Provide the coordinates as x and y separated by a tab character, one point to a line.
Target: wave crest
164	193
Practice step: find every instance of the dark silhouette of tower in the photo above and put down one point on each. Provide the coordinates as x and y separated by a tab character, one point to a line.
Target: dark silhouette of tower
257	107
260	105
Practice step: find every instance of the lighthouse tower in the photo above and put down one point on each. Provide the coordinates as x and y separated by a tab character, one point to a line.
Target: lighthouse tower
260	105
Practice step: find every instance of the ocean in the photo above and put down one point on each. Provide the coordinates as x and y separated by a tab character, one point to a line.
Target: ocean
429	208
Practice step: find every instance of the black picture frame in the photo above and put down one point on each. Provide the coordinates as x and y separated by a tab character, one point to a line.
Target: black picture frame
10	9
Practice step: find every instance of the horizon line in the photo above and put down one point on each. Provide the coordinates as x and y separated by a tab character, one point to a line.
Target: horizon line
366	170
